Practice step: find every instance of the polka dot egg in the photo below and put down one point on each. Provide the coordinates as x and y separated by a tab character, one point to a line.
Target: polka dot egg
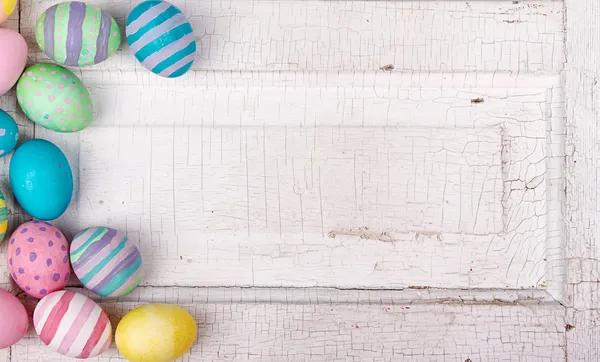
38	258
76	34
106	261
54	98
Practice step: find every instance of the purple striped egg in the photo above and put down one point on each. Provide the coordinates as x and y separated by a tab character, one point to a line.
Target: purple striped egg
106	261
76	34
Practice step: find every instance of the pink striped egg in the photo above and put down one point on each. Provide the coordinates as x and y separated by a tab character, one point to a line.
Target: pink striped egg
72	324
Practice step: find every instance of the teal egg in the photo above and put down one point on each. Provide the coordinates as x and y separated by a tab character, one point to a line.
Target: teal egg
9	133
41	179
161	38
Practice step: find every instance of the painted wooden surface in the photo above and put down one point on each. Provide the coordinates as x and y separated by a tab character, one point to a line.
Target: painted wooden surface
582	180
405	145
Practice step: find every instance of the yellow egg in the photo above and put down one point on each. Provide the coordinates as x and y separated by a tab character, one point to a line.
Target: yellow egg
155	333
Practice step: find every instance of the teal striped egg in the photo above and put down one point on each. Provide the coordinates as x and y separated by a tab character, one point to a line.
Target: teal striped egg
106	261
76	34
161	38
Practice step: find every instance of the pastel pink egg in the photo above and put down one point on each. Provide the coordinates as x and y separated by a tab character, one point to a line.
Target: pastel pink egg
13	56
38	258
72	324
15	320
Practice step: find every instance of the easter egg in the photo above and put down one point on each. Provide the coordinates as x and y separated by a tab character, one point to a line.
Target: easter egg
72	324
54	98
15	320
3	216
38	258
76	34
6	9
13	56
155	332
106	261
161	38
9	133
41	179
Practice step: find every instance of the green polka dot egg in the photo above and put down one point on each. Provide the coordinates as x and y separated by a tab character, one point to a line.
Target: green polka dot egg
54	98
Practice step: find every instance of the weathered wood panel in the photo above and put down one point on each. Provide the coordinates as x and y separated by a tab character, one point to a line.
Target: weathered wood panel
324	325
583	155
344	35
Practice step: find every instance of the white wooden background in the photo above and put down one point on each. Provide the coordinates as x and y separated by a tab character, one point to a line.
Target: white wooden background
307	202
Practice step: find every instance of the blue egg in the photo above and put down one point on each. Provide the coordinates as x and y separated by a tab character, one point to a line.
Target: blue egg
41	179
161	38
9	133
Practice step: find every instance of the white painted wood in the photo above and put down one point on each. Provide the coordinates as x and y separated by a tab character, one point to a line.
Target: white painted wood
263	167
453	193
583	132
351	35
322	325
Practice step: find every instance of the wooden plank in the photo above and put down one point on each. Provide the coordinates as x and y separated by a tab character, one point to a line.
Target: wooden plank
352	35
283	198
583	157
330	325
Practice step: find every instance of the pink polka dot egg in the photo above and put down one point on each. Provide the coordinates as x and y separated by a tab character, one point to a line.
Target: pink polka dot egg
38	258
54	98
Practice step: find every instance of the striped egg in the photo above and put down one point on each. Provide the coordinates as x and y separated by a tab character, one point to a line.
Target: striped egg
161	38
72	324
76	34
106	261
6	9
3	217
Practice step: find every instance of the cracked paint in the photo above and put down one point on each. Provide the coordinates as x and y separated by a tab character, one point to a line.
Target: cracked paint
353	145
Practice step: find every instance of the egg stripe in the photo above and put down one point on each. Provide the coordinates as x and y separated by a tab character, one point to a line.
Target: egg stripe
49	22
184	63
104	267
181	70
176	60
175	34
58	311
103	37
77	254
86	330
102	264
85	267
153	36
77	325
3	211
97	333
153	60
90	31
144	13
121	273
106	337
42	311
81	238
129	285
67	320
74	34
160	19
